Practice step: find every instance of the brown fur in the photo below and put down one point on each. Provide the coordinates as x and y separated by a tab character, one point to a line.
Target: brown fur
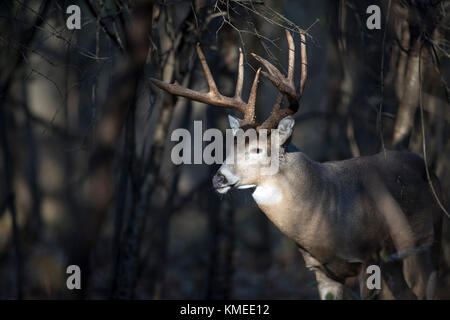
342	214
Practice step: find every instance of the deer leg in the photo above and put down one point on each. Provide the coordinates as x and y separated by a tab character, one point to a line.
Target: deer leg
329	289
392	274
418	271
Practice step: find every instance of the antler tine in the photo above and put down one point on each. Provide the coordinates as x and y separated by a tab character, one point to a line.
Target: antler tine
282	83
291	68
291	63
304	62
250	115
274	74
240	78
213	96
208	75
285	84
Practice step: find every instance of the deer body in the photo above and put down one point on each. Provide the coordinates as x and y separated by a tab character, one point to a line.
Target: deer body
343	215
316	200
330	212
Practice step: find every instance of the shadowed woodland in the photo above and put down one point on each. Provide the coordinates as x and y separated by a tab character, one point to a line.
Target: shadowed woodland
86	176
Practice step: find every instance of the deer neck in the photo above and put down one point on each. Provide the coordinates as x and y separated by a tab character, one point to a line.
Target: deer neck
296	197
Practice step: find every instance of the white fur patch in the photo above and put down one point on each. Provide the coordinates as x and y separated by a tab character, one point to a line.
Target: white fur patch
267	194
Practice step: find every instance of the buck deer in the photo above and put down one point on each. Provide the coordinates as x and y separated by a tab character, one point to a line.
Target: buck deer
343	215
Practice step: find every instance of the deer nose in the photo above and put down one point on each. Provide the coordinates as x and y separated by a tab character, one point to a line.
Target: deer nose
219	180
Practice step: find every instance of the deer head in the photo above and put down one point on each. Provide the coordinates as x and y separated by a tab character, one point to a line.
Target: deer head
243	168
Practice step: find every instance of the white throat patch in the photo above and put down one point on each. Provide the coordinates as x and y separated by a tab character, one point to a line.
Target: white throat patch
267	194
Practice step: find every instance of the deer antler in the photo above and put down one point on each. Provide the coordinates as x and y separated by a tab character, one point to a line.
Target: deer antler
285	84
214	97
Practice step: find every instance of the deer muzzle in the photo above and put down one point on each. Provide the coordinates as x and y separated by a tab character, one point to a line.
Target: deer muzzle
219	181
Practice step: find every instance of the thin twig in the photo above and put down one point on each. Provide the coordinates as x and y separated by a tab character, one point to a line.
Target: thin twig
114	37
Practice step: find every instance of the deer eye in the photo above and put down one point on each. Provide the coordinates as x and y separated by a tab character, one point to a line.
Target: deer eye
256	150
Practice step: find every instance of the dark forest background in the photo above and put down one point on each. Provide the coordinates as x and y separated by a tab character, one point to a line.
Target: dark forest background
85	170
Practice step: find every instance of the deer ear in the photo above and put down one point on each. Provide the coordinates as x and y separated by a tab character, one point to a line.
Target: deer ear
285	128
234	124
